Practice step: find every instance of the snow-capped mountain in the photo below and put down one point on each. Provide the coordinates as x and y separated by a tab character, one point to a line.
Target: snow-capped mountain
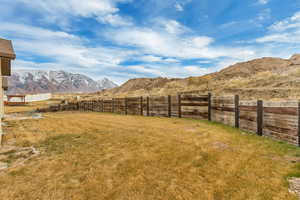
106	83
37	81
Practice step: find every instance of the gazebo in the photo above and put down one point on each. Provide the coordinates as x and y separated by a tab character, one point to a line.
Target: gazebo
15	100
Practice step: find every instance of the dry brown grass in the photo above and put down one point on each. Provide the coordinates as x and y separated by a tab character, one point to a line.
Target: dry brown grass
108	156
30	106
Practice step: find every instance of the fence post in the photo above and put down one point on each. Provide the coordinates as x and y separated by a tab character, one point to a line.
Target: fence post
116	104
148	106
179	106
299	123
209	106
260	117
141	106
169	106
98	105
126	112
102	106
237	110
113	105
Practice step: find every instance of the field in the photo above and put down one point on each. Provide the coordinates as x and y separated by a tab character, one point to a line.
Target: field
109	156
30	106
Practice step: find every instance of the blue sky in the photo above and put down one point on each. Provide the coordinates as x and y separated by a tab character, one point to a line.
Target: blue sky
123	39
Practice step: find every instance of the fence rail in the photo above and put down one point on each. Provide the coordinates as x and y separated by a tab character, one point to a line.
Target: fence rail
279	120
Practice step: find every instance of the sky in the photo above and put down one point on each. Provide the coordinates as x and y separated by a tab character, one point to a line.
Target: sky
125	39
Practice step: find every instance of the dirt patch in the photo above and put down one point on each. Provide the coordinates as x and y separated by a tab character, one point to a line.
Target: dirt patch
295	186
221	146
11	156
23	116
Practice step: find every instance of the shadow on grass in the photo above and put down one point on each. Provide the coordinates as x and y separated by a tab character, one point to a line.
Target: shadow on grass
65	142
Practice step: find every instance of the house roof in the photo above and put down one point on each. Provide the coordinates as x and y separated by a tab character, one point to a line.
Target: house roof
6	49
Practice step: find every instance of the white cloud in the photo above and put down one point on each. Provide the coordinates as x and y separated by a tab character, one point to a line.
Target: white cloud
115	20
171	60
263	2
265	14
32	32
170	71
150	58
179	7
61	48
174	27
156	59
105	11
285	31
287	24
164	44
147	70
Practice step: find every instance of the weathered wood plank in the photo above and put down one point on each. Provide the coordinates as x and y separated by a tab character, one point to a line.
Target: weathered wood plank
194	98
281	110
248	108
205	104
227	109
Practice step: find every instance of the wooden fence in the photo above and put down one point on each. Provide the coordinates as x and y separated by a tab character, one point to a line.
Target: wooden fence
279	120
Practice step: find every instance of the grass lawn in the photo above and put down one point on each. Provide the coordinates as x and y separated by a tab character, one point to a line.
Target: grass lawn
30	106
93	156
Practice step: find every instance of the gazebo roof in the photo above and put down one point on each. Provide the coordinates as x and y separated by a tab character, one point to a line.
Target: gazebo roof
16	95
6	49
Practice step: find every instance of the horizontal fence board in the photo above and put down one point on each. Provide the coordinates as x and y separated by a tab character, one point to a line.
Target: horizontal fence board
248	108
194	98
282	110
194	104
227	109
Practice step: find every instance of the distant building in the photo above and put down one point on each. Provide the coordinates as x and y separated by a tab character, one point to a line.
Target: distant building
22	99
15	100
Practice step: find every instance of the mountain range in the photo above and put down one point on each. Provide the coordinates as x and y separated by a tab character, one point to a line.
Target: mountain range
38	81
263	78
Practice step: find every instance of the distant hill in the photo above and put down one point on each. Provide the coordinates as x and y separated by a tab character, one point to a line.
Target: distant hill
267	78
37	81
